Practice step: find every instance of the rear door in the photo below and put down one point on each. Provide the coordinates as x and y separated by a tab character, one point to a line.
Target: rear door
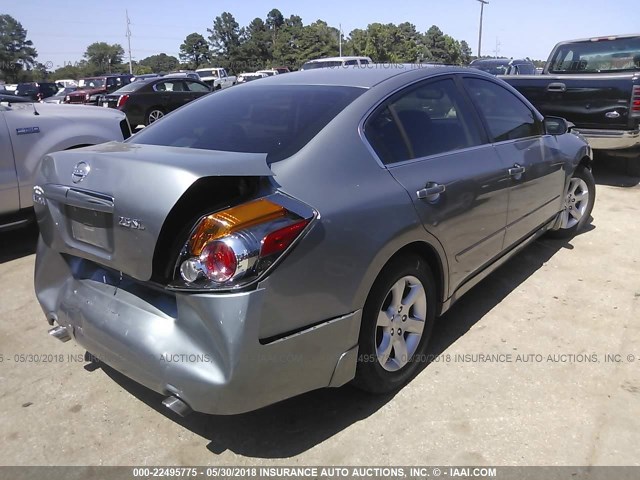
172	94
9	193
535	166
433	144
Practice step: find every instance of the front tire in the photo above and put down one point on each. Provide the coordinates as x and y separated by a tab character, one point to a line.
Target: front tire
397	321
578	204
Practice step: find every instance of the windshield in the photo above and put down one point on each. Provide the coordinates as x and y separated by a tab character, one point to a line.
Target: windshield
91	83
601	56
325	64
494	68
276	120
208	73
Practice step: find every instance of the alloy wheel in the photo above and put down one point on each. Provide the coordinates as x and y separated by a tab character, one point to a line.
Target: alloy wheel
400	323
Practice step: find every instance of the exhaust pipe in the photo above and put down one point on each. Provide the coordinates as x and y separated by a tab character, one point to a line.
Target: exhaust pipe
177	406
61	333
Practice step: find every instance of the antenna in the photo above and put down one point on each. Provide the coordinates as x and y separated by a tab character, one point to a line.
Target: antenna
129	41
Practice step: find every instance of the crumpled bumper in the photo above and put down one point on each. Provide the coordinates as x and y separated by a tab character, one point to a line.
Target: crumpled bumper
201	348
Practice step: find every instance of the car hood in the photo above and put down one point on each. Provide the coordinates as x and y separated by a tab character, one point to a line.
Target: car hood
114	215
85	91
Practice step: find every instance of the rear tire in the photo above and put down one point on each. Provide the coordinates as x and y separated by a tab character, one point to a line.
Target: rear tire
397	321
153	115
578	204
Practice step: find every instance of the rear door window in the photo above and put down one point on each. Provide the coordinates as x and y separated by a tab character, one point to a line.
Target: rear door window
430	119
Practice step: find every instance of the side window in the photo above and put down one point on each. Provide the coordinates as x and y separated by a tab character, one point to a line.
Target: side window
425	120
364	61
349	63
506	116
197	87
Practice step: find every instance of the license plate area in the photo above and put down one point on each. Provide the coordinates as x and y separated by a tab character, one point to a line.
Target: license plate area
91	227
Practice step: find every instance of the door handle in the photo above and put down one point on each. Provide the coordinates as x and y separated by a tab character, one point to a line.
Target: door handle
431	192
556	87
517	171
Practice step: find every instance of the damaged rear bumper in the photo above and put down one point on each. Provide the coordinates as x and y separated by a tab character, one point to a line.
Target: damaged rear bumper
203	349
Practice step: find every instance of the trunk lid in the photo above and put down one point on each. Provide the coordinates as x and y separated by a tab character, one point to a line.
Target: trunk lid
600	101
108	203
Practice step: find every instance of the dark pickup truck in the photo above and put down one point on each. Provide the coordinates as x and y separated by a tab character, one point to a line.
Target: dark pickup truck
595	84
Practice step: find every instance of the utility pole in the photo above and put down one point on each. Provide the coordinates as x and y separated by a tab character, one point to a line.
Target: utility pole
340	35
482	4
497	50
129	42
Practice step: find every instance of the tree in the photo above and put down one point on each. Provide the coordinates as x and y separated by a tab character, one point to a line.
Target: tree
103	56
435	42
161	63
194	51
465	49
317	40
225	35
16	52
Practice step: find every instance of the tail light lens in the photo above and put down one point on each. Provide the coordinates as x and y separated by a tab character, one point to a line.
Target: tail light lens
635	101
235	247
122	100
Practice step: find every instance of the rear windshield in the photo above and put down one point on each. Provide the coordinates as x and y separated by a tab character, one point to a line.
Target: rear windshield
601	56
276	119
133	86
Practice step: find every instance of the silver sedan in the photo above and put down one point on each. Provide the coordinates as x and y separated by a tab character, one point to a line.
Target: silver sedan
299	232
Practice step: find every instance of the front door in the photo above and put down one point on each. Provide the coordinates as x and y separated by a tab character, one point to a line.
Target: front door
534	163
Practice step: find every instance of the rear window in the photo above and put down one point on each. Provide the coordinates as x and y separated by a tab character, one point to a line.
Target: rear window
618	55
494	68
276	120
133	86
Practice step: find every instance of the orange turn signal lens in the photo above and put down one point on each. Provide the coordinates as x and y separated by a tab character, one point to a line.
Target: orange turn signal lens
223	223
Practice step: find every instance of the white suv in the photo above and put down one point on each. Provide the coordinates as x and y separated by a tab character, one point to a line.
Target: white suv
336	62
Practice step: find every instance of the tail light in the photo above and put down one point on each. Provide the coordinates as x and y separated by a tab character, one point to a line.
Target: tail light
635	101
235	247
122	100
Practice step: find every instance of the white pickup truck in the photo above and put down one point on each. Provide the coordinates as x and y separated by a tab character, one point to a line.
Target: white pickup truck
216	78
29	131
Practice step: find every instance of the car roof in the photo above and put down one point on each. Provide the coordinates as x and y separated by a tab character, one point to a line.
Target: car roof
365	76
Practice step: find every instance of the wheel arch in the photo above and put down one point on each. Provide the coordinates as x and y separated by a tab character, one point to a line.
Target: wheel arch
435	260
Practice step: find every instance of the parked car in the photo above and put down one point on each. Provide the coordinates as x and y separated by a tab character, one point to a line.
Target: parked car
218	259
145	76
269	73
67	82
146	101
183	74
335	62
10	97
282	70
90	90
36	91
60	95
29	131
595	84
504	66
216	78
248	77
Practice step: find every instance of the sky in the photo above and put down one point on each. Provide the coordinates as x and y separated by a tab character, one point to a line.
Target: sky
61	31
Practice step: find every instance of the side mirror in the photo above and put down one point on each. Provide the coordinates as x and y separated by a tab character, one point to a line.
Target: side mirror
556	126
